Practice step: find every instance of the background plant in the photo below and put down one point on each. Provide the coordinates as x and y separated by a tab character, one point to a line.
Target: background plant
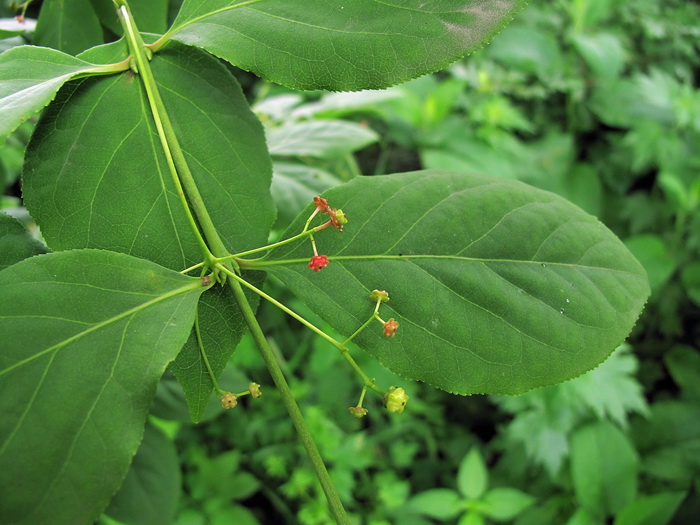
386	492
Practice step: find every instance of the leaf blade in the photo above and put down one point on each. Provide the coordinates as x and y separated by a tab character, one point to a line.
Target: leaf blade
330	44
498	287
29	79
90	161
119	317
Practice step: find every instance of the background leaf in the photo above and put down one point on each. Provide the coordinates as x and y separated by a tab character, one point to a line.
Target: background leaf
107	322
657	509
16	243
29	79
70	26
319	138
96	176
150	492
473	477
498	287
337	45
604	468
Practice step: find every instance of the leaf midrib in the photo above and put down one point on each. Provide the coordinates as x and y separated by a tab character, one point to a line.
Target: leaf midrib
132	311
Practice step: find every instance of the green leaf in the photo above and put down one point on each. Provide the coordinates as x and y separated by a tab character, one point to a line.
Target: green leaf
86	336
603	52
498	287
690	276
294	187
442	504
29	79
96	176
319	138
504	504
611	390
528	50
472	477
471	518
683	362
657	509
16	243
150	15
70	26
151	489
338	45
604	468
652	252
669	441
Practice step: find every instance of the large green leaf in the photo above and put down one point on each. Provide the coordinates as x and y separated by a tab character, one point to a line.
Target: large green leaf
70	26
151	490
29	79
86	336
16	243
498	287
340	45
96	176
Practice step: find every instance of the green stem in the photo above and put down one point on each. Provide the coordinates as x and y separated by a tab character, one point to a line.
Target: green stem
336	506
282	307
366	381
218	249
200	343
301	235
166	131
160	116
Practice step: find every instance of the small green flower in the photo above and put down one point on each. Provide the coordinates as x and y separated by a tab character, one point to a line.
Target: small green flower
379	295
358	412
229	400
254	390
395	399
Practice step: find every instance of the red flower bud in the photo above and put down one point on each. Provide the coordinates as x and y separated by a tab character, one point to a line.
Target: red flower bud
390	327
322	204
318	262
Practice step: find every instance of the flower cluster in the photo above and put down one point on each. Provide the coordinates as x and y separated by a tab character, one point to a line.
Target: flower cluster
336	218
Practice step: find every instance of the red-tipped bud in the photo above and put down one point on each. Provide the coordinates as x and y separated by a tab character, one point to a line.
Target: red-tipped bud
322	204
390	327
358	412
229	400
318	262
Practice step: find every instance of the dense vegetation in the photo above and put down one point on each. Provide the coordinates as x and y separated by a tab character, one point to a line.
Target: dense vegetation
594	100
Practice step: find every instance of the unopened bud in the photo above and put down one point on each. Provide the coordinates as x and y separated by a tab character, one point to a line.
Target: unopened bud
254	390
379	295
395	399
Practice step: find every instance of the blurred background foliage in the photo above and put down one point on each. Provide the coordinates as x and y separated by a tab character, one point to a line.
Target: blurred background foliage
596	100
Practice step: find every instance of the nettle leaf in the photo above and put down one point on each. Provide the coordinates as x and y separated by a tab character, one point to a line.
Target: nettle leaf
16	243
108	323
29	79
96	176
498	287
340	45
